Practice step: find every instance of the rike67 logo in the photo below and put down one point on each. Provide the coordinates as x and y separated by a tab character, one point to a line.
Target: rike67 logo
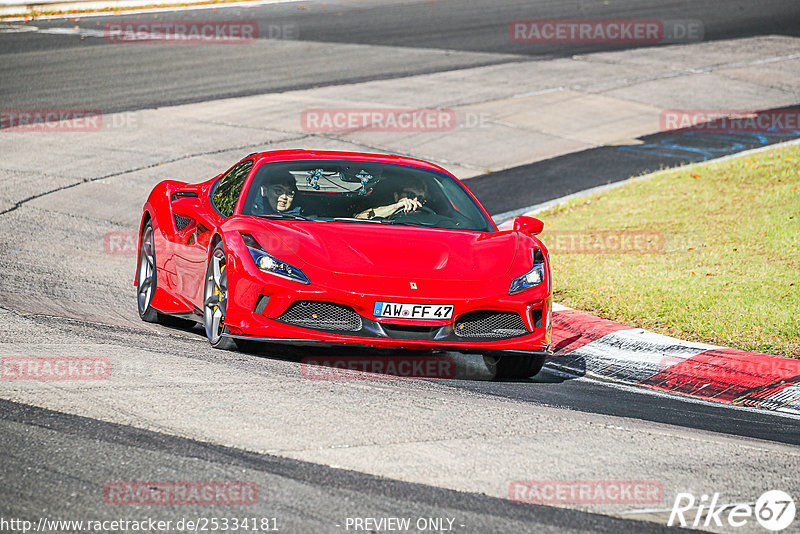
774	510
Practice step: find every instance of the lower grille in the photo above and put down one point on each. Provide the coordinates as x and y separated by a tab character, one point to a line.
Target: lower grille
321	316
491	324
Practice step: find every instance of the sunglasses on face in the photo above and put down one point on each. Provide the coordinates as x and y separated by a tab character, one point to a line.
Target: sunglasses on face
279	191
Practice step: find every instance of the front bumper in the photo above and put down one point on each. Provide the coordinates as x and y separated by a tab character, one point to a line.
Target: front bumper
258	302
297	342
265	321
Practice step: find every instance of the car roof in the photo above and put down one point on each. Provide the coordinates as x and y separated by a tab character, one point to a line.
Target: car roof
303	154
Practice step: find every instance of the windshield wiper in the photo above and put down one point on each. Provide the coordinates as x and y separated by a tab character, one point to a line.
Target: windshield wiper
415	223
355	219
285	216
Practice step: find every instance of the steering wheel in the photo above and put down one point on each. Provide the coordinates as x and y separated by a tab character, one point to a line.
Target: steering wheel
400	212
422	216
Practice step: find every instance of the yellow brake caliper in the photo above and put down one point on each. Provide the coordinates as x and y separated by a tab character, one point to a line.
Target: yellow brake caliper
217	293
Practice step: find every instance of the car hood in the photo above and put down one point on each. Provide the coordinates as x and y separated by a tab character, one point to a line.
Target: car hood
383	250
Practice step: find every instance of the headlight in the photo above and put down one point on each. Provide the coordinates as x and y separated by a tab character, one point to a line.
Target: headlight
270	264
532	278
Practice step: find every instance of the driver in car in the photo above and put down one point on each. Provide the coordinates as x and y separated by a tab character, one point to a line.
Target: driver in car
278	192
409	198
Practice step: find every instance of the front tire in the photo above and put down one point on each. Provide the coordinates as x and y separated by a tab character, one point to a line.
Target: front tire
514	366
215	300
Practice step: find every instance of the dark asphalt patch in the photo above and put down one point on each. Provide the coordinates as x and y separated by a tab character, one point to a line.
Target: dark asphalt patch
539	182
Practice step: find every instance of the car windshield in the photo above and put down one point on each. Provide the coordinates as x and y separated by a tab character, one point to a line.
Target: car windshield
362	192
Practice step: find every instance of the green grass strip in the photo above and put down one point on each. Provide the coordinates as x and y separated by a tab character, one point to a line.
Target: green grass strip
708	253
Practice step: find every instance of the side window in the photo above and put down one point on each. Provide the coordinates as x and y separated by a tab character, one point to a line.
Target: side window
227	190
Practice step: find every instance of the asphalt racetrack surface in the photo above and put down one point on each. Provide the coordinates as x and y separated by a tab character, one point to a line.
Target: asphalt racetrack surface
42	69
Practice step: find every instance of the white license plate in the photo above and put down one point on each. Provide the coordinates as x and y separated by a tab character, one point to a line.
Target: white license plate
398	310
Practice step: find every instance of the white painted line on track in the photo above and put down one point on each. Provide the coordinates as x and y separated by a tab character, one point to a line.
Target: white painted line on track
664	510
126	36
122	12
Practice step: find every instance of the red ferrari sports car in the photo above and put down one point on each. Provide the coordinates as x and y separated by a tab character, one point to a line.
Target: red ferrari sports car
307	247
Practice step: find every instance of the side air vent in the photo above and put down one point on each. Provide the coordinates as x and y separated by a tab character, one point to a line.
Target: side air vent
181	222
536	317
261	304
179	194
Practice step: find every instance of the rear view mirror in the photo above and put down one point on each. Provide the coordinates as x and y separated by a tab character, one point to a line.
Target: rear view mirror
528	225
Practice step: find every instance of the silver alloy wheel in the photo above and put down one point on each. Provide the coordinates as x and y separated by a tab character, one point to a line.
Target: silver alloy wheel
216	296
147	269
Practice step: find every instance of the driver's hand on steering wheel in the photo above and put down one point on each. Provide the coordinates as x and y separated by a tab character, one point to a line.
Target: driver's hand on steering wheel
406	204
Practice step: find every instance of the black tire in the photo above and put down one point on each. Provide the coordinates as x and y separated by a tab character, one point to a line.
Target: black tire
147	281
146	278
507	366
215	300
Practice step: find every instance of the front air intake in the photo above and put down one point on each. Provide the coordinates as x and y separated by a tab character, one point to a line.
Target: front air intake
490	324
321	316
